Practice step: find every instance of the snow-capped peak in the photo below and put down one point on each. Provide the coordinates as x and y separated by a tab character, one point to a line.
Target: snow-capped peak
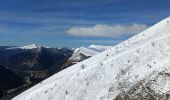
32	46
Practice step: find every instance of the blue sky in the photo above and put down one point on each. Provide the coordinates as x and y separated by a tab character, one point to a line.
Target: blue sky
74	23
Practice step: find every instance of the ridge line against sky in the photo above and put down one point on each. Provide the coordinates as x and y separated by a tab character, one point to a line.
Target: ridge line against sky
62	23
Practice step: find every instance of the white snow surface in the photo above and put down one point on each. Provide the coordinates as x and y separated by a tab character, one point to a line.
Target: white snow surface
32	46
129	62
88	51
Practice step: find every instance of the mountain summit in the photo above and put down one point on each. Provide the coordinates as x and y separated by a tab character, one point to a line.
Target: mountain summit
138	69
32	46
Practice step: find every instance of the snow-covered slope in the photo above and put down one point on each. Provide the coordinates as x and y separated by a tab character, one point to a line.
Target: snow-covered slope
32	46
86	52
138	68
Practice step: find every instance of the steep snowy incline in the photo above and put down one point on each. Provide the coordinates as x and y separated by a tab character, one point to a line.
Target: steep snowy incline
115	73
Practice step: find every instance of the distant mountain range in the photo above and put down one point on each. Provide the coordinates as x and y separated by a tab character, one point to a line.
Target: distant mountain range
33	63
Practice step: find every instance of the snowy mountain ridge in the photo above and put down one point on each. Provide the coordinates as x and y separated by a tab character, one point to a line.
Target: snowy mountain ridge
86	52
137	68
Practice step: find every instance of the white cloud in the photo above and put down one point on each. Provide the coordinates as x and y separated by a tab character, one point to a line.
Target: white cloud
98	41
102	30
